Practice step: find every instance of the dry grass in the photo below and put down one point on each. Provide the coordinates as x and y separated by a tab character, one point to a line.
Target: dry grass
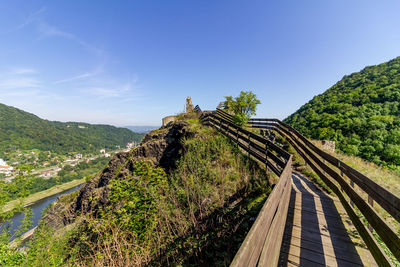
381	175
115	250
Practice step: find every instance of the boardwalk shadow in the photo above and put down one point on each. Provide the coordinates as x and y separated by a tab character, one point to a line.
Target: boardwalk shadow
315	234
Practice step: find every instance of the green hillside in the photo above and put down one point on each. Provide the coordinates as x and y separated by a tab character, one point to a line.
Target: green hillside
22	130
360	112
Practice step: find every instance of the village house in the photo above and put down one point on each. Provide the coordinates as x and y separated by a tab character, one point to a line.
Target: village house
130	145
4	168
49	173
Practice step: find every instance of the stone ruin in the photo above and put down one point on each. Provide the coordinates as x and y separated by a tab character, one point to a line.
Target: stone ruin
328	145
189	108
189	105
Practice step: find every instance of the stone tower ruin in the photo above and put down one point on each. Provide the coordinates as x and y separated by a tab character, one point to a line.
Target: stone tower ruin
189	105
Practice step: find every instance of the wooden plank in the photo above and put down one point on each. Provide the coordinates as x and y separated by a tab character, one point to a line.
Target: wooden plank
374	247
327	236
308	218
344	250
315	256
386	199
294	260
318	209
311	236
387	234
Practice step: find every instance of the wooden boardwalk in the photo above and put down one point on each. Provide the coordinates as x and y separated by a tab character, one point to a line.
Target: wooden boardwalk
299	225
317	231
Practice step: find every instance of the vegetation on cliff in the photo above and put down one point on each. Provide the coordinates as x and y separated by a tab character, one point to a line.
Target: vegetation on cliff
361	112
25	131
186	195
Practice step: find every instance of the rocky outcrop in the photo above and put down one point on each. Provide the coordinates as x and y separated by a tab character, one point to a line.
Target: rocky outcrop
163	147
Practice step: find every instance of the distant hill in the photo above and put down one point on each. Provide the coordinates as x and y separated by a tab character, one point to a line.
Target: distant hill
23	130
141	129
361	112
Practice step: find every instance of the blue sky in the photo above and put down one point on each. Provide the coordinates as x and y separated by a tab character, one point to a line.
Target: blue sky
133	62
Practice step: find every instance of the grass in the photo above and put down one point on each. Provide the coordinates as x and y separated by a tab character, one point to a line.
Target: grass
40	195
381	175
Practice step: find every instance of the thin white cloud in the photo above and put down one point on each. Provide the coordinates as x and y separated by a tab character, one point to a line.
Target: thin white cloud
22	93
47	30
99	69
30	19
21	82
74	78
109	92
19	71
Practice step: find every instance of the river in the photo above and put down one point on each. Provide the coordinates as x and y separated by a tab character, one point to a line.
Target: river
37	209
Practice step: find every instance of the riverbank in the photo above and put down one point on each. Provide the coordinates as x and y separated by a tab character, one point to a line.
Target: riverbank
41	195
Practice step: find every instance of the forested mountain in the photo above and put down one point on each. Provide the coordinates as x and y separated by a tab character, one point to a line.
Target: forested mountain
361	112
23	130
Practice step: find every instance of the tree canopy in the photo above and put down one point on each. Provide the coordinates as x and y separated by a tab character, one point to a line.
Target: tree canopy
361	112
243	106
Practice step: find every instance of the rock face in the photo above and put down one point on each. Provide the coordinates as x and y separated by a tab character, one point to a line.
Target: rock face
162	147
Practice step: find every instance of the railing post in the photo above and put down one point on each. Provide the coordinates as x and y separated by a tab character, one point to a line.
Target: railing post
342	175
248	144
371	202
266	156
352	185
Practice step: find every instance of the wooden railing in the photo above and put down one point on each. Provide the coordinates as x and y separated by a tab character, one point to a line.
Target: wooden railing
334	172
262	244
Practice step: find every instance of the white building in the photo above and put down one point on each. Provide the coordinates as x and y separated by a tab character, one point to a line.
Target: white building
7	170
3	163
130	145
4	168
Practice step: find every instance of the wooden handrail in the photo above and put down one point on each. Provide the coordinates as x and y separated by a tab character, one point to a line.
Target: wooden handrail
386	199
262	244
